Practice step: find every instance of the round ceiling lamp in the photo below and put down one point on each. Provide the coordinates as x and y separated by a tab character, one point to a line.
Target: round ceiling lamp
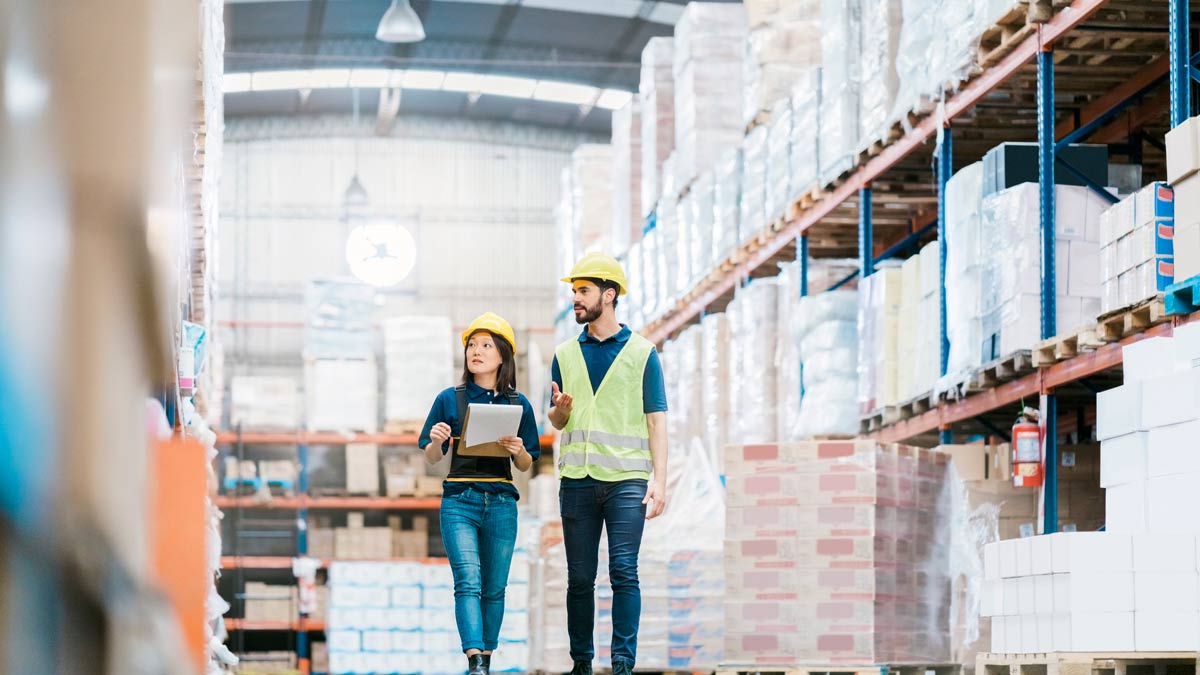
381	254
400	24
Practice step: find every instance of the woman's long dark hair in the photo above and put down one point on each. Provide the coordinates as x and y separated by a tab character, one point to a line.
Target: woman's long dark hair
506	378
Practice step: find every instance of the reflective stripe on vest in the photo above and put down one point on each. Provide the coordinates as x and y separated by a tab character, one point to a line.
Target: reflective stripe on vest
606	436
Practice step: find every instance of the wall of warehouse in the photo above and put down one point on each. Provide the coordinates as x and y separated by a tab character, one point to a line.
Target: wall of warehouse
478	197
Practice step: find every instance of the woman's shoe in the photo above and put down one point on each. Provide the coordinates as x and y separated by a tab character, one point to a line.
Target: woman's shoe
582	668
487	663
476	665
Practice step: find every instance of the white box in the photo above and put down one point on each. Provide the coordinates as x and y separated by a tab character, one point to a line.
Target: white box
991	597
1187	346
1027	595
1173	503
1171	399
1024	552
1093	592
1045	633
1095	632
999	635
1167	631
1183	151
1008	557
1148	358
1084	273
1029	633
406	596
1153	552
376	641
1044	591
991	560
344	641
1166	591
1011	601
1042	555
1126	509
1124	459
1091	552
1013	632
1119	411
1171	449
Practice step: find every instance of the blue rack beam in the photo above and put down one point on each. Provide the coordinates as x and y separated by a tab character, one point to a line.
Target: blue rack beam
1181	86
866	234
945	169
1046	157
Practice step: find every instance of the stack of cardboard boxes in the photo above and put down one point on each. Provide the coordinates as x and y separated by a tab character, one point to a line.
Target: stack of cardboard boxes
270	602
1183	163
260	402
880	297
418	357
1137	248
404	537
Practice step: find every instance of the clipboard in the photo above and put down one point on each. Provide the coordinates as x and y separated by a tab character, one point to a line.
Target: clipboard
492	422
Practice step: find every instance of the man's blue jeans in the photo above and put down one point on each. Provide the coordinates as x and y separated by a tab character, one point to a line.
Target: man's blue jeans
616	507
479	531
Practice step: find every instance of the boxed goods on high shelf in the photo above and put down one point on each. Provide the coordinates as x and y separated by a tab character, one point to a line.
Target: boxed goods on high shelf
752	213
264	402
919	346
565	242
653	303
841	41
656	96
340	373
1137	252
879	298
964	269
709	41
1132	587
685	241
342	394
787	352
702	205
1011	164
779	48
779	158
635	301
806	107
341	320
591	196
825	329
1183	162
628	216
670	242
754	324
418	359
717	373
836	552
727	205
880	23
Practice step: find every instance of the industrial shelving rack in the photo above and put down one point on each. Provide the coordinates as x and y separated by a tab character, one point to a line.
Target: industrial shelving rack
302	627
1122	65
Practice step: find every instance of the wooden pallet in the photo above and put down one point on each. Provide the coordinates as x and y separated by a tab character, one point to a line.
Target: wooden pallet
403	427
899	412
1062	347
1009	31
1183	297
1135	318
836	669
991	374
1086	663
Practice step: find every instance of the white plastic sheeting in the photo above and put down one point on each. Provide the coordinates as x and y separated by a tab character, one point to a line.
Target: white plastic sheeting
825	328
656	93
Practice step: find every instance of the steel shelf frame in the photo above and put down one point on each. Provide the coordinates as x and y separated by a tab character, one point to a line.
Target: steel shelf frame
324	438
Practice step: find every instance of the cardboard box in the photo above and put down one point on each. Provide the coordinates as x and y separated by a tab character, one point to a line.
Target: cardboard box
362	468
1119	411
320	657
321	542
1171	399
1164	631
1183	151
270	602
1091	552
1126	508
1174	502
1124	459
1172	449
970	461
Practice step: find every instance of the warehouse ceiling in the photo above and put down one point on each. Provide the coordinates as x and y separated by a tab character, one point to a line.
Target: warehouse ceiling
590	42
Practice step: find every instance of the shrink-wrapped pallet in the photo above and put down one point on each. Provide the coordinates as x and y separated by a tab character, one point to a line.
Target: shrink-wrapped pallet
709	40
418	359
727	205
778	195
656	94
628	216
879	297
880	41
840	75
717	373
703	210
754	337
781	45
964	269
685	217
753	212
342	395
825	329
565	240
806	107
340	319
591	196
634	300
652	303
669	243
787	352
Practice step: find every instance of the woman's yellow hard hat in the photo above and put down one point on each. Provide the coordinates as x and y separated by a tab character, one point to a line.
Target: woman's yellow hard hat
599	266
493	324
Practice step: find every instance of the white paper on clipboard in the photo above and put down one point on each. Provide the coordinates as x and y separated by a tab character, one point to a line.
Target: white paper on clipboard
489	423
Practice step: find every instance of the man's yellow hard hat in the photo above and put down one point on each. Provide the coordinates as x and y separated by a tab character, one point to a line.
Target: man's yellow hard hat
599	266
493	324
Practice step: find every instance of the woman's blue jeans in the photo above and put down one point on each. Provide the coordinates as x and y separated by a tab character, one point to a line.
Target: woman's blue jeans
479	531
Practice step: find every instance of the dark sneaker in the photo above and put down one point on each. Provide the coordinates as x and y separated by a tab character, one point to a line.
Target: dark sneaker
582	668
476	665
622	668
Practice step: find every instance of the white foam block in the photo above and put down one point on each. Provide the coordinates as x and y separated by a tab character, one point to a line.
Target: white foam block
1148	358
1029	633
1093	592
1174	502
991	598
1170	450
1007	549
1091	552
1044	594
1012	629
1123	459
1024	552
1126	509
1041	555
1166	591
1094	632
1187	346
991	561
1154	552
1119	411
1011	598
1027	595
1167	631
999	635
1171	399
1183	151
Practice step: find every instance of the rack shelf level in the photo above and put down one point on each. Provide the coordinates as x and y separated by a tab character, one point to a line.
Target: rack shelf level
297	625
294	438
332	503
284	562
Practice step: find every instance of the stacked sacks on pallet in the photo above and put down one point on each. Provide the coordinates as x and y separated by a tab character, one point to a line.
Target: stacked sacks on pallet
840	78
780	48
628	215
753	317
656	94
825	328
727	205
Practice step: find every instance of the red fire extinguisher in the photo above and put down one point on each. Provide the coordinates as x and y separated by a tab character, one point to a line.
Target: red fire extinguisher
1027	450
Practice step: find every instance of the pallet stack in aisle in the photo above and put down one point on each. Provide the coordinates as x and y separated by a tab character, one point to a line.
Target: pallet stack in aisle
418	359
779	47
825	329
836	552
656	94
753	318
1135	586
628	214
340	373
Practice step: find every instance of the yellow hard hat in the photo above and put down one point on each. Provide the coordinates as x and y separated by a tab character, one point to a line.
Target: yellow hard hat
493	324
599	266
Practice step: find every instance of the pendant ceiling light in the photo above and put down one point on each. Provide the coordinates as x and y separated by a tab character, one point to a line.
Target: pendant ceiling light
400	24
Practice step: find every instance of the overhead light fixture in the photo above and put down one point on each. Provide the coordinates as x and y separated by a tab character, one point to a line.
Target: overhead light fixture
613	99
423	79
467	83
512	87
355	196
400	24
565	92
370	78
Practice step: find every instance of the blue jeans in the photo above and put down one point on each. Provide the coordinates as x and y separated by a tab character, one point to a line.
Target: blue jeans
479	530
618	508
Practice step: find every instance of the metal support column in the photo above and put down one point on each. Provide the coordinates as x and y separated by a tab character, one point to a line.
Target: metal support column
302	654
802	256
945	169
866	235
1181	83
1046	157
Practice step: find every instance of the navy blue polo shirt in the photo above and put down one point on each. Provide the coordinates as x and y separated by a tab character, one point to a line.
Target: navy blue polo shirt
599	356
445	409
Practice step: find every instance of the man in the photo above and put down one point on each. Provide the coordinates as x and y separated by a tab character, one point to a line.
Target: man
609	400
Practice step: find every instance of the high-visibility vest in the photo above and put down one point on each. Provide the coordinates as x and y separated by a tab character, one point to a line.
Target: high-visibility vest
606	437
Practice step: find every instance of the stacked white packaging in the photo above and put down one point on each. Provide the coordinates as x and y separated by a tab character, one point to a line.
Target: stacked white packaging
752	216
754	321
825	328
264	402
1137	250
964	269
779	159
780	47
340	320
806	108
634	300
703	213
591	196
418	362
709	40
652	304
880	41
840	74
727	202
670	242
787	351
565	241
919	344
879	303
656	94
628	216
717	374
342	395
1136	586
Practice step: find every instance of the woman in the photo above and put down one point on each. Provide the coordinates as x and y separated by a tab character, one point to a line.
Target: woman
479	500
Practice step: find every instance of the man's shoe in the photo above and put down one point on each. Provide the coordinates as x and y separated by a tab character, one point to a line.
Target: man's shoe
487	663
476	665
622	668
582	668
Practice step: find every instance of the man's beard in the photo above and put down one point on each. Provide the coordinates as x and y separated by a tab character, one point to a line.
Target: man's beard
590	314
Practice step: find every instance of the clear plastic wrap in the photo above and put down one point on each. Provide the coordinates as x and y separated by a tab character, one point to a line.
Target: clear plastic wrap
753	215
709	40
909	328
878	338
685	217
591	195
825	330
565	241
669	244
716	372
806	97
652	304
881	26
727	205
787	351
634	299
341	315
418	358
628	216
839	109
341	395
755	338
855	529
964	262
702	196
656	94
782	44
779	159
